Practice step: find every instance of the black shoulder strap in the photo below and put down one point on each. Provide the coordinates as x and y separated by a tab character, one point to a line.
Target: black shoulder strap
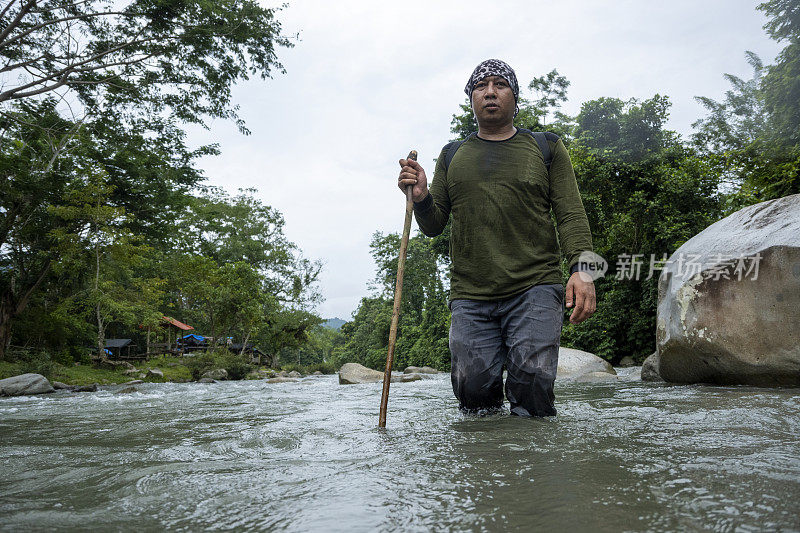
452	148
540	137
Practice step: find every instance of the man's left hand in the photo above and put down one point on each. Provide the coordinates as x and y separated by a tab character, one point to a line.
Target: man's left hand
580	292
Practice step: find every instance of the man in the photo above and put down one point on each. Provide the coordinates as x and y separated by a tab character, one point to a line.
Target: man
506	294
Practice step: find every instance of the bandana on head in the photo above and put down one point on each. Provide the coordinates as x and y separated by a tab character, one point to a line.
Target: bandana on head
493	67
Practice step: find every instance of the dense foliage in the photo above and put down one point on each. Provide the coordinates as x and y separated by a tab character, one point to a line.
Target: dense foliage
646	191
105	224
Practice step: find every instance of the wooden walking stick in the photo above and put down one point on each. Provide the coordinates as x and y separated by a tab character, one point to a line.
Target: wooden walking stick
398	289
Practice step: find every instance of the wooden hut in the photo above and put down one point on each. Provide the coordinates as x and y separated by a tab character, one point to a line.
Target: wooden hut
120	348
171	326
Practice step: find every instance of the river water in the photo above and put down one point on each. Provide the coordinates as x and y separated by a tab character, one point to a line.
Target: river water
247	455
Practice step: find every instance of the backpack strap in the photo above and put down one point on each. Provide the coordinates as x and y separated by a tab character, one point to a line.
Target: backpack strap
541	138
452	148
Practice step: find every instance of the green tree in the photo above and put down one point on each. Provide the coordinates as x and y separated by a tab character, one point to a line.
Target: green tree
645	193
136	73
99	242
424	315
176	57
752	135
241	228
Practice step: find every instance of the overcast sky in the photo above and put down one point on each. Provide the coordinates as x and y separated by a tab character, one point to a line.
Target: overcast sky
368	81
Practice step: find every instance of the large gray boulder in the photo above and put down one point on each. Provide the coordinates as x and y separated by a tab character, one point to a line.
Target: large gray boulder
735	319
354	373
24	385
573	363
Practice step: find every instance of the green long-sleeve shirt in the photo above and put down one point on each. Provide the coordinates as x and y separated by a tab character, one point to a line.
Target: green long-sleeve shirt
502	239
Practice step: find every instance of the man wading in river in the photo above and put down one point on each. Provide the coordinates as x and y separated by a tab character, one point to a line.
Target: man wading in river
506	292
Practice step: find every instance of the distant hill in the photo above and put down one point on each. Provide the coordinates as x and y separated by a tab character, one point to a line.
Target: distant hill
333	323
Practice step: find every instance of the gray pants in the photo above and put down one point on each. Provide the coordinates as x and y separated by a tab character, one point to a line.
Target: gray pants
521	333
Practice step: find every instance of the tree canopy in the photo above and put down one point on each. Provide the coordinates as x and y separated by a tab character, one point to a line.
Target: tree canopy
105	222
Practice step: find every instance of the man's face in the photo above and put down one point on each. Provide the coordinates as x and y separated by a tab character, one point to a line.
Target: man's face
493	101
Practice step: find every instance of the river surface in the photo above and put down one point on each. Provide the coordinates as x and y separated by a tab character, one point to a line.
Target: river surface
248	455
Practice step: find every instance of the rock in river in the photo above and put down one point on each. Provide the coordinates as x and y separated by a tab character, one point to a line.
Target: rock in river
25	384
281	379
596	377
650	368
573	363
217	374
729	301
354	373
420	370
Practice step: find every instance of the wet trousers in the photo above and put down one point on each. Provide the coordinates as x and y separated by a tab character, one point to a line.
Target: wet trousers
522	334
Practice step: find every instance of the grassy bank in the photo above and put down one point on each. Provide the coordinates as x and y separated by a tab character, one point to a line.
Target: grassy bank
175	370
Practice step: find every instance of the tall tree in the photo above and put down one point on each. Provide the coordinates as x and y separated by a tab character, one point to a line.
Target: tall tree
180	57
753	135
645	193
100	242
133	73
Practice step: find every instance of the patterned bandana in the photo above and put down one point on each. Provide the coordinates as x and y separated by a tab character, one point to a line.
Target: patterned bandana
493	67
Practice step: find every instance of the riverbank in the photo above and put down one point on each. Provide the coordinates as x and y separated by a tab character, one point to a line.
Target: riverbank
173	369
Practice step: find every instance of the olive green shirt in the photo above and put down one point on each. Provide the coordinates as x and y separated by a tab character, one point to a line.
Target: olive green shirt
502	239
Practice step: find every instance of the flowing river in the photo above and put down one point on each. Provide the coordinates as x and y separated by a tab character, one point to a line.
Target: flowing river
247	455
